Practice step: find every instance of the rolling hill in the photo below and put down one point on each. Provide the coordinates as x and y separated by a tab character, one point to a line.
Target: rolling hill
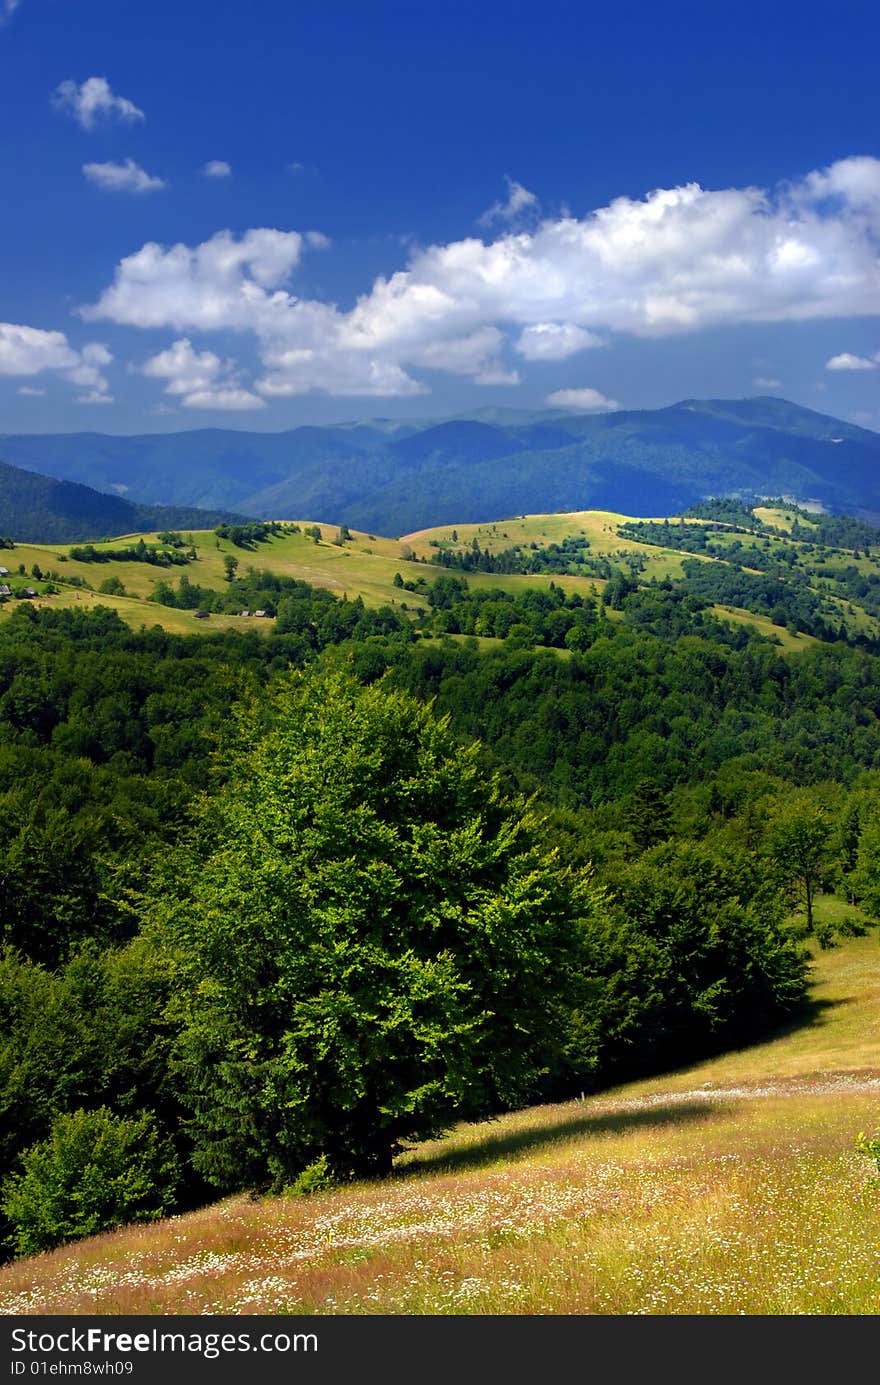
41	509
790	576
394	477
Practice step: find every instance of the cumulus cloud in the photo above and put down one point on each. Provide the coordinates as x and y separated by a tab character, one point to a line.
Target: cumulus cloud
554	341
200	378
474	355
94	102
87	373
222	283
217	168
304	371
847	361
225	399
31	351
519	200
587	400
30	392
676	261
850	182
766	382
183	368
122	177
7	9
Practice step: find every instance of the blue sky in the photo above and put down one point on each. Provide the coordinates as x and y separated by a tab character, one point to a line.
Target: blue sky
254	216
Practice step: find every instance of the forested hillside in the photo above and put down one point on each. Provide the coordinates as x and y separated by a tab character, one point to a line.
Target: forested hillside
269	870
38	509
396	476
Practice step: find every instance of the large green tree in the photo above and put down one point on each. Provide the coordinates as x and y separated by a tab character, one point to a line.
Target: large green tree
798	841
373	942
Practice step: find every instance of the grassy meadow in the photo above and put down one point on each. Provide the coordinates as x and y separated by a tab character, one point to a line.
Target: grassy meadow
732	1187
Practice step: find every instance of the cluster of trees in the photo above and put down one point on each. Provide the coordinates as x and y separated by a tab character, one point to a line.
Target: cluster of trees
313	614
250	534
716	541
569	555
727	511
786	602
535	616
169	555
688	538
359	937
832	531
853	585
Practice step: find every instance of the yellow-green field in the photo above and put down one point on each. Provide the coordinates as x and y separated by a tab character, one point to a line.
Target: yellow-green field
599	527
364	567
732	1187
368	564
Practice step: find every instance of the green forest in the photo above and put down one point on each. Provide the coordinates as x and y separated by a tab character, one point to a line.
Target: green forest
277	904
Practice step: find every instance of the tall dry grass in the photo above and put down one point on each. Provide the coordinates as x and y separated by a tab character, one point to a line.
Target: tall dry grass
733	1187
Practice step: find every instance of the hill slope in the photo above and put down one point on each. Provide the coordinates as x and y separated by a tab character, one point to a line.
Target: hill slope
733	1187
394	477
41	509
789	575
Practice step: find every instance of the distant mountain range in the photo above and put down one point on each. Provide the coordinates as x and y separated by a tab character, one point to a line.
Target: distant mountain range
40	509
393	477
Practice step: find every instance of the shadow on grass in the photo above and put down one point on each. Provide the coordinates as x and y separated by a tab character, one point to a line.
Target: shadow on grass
812	1012
508	1145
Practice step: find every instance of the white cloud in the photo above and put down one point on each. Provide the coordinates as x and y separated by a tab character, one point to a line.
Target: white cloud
305	372
96	353
676	261
847	361
122	177
222	283
199	378
554	341
850	182
519	200
475	355
87	374
217	168
31	351
30	392
94	101
588	400
7	9
766	382
184	369
226	399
